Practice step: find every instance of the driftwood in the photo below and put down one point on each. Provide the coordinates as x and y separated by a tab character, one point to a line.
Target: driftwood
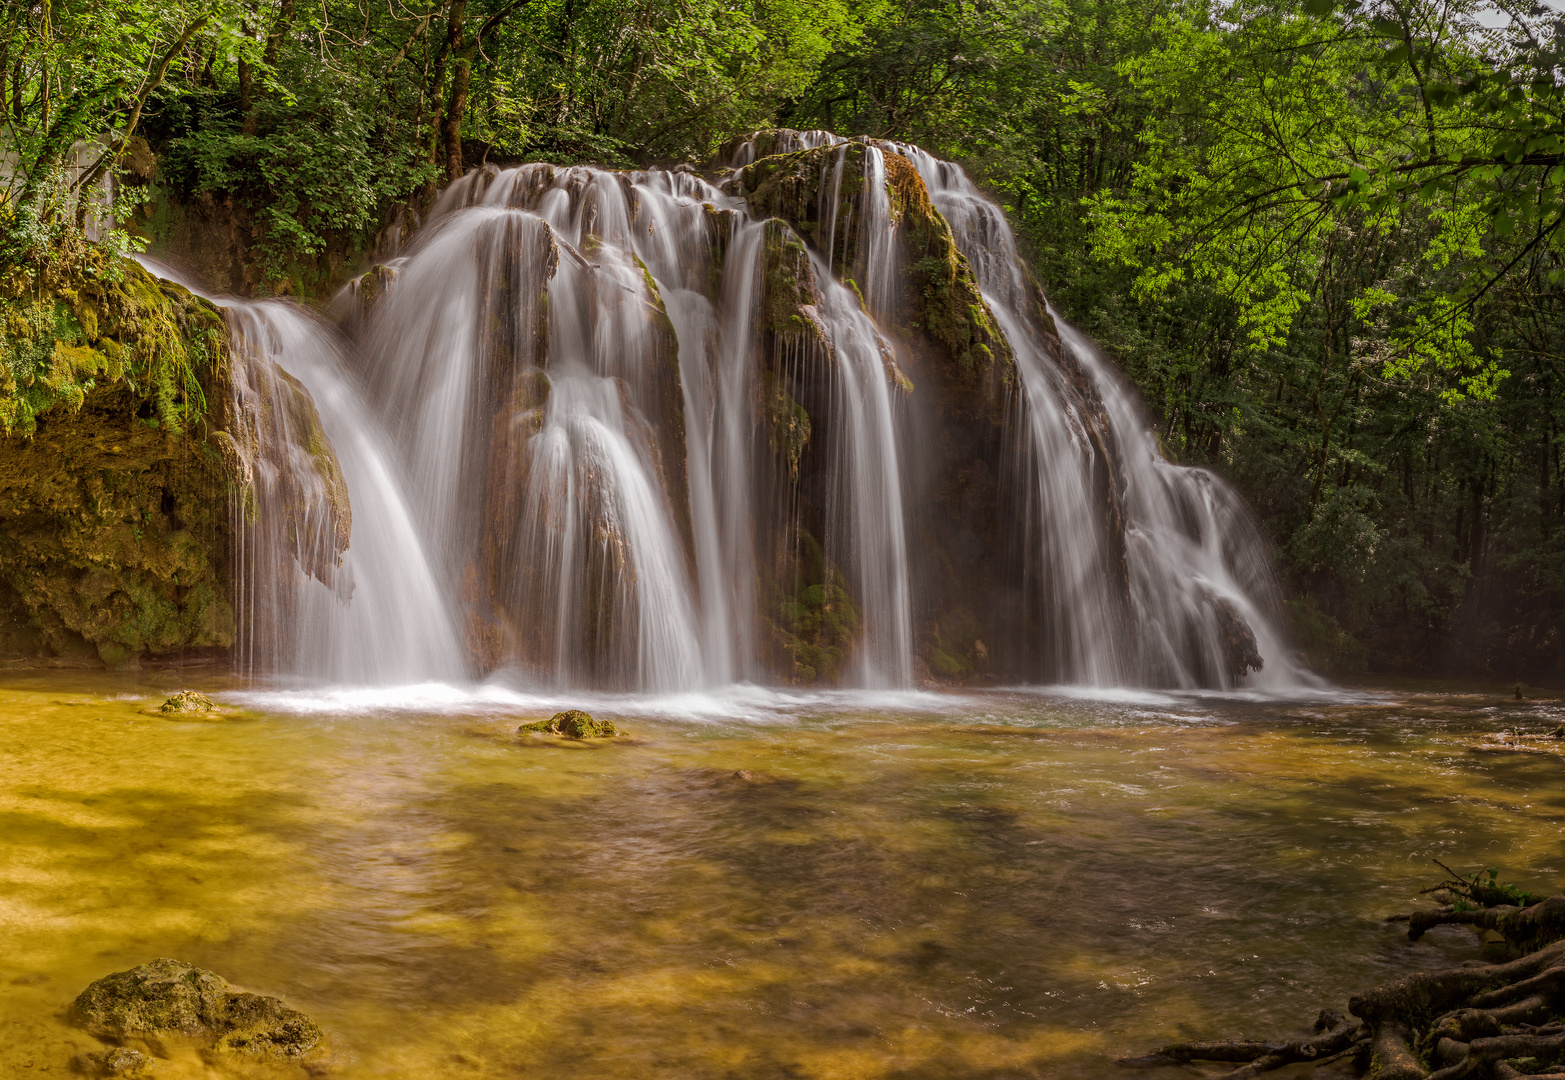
1500	1021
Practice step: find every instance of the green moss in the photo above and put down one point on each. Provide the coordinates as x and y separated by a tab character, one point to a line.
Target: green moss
573	724
854	285
113	508
53	316
788	286
814	624
943	663
942	298
659	311
790	187
187	701
787	424
952	646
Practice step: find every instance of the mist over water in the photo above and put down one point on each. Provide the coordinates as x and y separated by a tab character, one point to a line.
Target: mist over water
556	420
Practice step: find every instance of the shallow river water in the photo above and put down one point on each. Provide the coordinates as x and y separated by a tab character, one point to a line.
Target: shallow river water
753	885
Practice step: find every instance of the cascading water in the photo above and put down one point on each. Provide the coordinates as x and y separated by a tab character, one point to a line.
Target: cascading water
570	364
323	592
1201	587
650	431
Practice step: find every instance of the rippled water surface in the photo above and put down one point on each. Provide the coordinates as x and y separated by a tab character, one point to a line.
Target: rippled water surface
753	884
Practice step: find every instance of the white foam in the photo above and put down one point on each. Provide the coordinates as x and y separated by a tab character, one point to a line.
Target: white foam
740	701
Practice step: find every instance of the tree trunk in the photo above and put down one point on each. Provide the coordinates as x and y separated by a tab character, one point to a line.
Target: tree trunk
244	93
437	85
456	105
274	39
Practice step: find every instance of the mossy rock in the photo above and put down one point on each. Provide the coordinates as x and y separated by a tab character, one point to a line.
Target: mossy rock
120	1061
169	1000
573	724
113	485
187	701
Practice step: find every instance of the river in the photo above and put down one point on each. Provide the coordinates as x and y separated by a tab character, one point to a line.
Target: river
750	884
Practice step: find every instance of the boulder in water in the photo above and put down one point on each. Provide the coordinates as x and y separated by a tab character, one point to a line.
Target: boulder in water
573	724
120	1061
187	701
167	999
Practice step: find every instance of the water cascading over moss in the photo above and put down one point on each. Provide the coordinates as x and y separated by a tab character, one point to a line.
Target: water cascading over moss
803	418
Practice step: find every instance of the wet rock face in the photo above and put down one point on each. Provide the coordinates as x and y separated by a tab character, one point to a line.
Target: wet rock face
168	1000
950	359
112	544
1239	647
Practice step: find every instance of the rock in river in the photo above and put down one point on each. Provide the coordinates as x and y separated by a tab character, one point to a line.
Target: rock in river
168	1000
573	724
187	701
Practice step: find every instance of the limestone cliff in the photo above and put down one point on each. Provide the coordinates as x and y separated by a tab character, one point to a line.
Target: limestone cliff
113	495
132	432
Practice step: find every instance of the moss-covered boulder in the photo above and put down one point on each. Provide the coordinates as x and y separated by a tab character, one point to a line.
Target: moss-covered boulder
816	193
167	1002
113	507
187	701
573	724
120	1061
943	308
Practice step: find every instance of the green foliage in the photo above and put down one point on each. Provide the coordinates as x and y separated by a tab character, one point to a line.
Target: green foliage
75	78
83	318
1483	889
318	167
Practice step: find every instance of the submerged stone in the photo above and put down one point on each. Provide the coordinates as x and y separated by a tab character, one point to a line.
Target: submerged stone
121	1061
573	724
166	999
187	701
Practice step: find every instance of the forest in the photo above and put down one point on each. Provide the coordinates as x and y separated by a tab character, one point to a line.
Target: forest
1323	239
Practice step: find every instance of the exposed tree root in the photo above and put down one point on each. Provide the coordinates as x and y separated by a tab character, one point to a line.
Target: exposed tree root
1476	1022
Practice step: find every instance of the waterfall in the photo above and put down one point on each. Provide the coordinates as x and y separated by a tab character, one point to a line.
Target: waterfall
1199	572
387	620
659	431
571	365
324	592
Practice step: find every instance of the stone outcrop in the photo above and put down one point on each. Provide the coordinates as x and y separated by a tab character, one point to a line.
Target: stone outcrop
187	701
165	1003
572	724
124	447
113	509
947	355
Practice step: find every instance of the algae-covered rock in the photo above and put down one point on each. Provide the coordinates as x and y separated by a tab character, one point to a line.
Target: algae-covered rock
187	701
810	618
168	1000
113	508
120	1061
573	724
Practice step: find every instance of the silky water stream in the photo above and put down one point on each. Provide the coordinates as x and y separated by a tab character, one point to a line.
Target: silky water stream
752	884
